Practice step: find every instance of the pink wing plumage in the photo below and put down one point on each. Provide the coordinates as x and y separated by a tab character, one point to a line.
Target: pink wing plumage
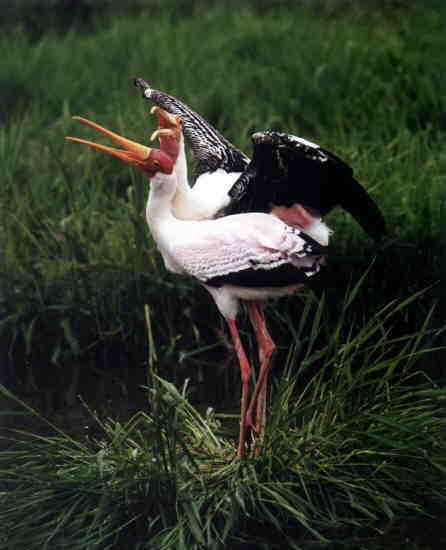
242	242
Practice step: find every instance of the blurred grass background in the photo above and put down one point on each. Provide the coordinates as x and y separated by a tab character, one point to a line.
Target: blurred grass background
365	79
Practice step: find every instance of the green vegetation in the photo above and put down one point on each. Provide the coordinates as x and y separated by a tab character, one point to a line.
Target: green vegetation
334	464
364	79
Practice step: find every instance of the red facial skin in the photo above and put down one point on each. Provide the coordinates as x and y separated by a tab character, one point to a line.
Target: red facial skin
158	161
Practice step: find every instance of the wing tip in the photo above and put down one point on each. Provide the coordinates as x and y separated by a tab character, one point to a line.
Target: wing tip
144	85
359	204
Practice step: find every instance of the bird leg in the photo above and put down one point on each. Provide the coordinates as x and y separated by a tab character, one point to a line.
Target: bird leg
266	348
245	372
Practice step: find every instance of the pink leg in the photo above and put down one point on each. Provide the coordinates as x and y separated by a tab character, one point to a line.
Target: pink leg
266	349
261	409
245	371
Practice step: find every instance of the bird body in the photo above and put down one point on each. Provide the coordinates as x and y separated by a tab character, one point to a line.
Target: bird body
249	249
248	230
247	257
244	257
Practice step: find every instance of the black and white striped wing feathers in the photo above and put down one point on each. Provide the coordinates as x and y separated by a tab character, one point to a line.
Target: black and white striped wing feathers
210	149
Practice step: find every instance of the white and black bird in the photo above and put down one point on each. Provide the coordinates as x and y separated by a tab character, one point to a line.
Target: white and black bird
286	173
247	257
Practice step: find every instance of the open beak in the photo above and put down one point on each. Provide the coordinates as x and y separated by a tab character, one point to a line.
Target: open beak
132	152
145	158
169	131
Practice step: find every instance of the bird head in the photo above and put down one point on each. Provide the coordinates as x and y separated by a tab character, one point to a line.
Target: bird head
149	160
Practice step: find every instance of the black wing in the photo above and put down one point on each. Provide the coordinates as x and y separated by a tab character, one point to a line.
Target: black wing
285	170
211	150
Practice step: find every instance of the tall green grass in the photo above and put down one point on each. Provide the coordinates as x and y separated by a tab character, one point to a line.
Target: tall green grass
359	447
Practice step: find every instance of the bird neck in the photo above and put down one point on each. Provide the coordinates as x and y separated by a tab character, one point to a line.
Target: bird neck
183	203
181	168
206	198
159	205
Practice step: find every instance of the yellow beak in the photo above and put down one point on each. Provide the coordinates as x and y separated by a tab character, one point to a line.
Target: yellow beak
133	153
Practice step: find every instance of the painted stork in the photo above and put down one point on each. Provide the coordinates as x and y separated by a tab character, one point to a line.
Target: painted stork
246	257
285	174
